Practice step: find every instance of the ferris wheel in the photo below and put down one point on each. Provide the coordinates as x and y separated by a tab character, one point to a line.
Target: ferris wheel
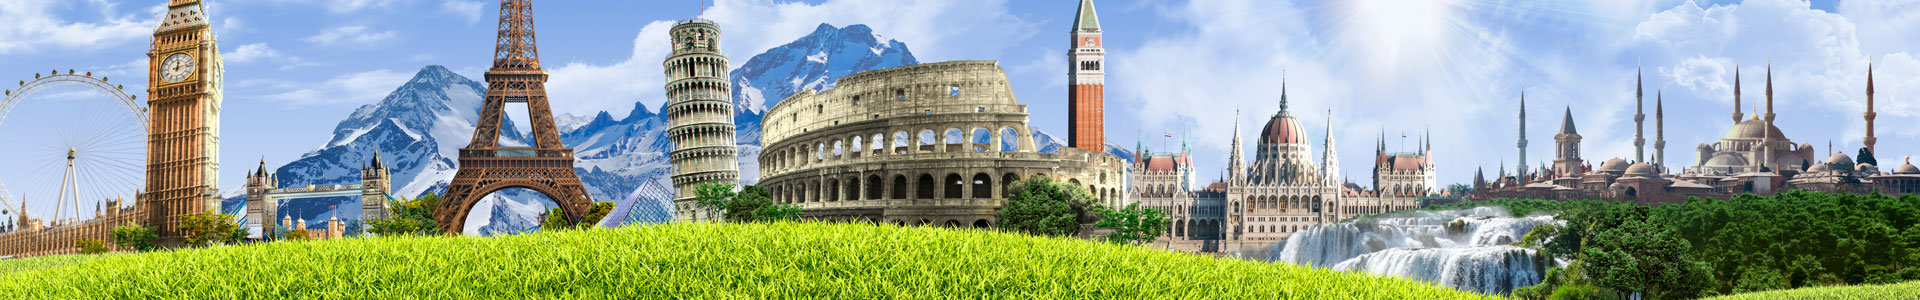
69	140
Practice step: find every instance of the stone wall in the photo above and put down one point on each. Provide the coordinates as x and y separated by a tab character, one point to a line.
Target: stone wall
933	143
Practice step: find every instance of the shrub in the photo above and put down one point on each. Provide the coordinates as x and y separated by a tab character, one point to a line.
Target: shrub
134	237
1041	206
91	246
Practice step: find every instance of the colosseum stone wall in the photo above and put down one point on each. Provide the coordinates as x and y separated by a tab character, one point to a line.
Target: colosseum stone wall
929	144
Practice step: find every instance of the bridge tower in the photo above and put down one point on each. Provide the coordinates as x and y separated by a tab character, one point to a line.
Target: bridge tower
486	166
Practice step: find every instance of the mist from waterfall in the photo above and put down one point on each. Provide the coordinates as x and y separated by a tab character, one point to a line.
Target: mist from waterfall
1468	249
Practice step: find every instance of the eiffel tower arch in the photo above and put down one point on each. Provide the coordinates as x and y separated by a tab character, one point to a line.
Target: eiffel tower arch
485	166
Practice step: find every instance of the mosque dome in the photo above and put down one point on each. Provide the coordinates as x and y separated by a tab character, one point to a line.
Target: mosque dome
1840	160
1614	165
1816	168
1283	129
1641	169
1907	168
1753	129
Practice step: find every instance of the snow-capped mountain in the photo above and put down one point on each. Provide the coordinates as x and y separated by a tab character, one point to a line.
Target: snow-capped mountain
815	61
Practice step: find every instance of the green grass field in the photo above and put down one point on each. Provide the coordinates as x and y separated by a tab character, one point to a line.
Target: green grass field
1905	290
785	260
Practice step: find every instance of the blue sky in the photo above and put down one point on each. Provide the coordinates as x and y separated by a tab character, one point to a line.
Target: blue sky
296	67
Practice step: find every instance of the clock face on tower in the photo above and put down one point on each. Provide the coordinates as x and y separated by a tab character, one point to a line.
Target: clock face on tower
176	68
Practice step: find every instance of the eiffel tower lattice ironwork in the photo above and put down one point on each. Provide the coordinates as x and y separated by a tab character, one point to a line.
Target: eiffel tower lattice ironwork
485	165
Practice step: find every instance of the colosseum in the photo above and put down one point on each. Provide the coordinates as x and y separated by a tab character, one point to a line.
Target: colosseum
929	144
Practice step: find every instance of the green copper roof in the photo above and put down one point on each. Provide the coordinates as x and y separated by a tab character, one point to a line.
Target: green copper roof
1086	19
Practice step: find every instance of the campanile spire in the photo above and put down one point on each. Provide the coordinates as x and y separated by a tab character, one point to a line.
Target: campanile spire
1086	92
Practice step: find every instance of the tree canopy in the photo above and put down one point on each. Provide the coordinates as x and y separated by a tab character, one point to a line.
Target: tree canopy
1040	206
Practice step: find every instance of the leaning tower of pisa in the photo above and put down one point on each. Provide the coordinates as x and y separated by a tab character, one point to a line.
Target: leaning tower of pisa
699	115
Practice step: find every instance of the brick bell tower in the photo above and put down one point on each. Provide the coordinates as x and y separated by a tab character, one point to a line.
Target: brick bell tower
1086	92
183	106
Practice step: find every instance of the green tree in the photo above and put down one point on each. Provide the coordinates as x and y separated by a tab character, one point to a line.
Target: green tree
208	228
1041	206
1133	225
556	218
409	217
299	234
134	236
1866	157
750	204
91	246
1644	256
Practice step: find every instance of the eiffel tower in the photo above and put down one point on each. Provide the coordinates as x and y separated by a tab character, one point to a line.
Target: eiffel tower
485	166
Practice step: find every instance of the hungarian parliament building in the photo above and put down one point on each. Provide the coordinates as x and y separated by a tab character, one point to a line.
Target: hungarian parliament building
1282	192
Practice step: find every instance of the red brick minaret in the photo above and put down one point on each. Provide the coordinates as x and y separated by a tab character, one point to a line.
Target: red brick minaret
1086	94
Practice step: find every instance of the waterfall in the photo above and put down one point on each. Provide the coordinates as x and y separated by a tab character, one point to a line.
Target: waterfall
1468	249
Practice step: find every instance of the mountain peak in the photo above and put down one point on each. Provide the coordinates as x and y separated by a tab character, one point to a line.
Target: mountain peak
815	61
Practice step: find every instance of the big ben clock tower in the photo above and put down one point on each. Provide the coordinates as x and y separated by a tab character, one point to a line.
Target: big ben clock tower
183	111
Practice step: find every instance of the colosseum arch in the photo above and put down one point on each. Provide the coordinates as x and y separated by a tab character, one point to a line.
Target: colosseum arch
899	187
1006	184
832	190
1009	140
953	136
982	186
923	187
875	187
980	140
901	140
839	149
852	188
952	186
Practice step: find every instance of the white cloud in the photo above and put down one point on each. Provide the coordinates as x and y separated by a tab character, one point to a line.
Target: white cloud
935	30
343	6
262	53
350	34
31	26
350	89
472	10
250	53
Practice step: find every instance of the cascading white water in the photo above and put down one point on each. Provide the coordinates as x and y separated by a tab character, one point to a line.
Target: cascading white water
1465	249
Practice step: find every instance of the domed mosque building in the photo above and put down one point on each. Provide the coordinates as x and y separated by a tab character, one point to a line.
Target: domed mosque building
1754	156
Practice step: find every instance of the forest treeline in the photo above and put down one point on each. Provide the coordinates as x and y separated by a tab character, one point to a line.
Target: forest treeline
1708	247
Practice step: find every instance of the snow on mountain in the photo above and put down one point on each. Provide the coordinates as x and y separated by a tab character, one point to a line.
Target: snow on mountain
815	61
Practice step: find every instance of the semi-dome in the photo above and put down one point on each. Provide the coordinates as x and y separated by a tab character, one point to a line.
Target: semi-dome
1283	129
1614	165
1907	168
1726	160
1641	169
1753	129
